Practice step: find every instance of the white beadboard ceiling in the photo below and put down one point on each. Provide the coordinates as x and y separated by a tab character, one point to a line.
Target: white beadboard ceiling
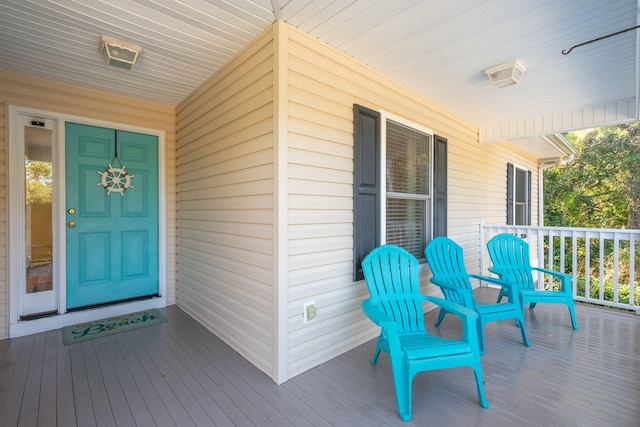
437	48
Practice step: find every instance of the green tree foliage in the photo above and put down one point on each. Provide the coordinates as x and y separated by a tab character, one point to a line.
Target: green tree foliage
39	182
601	187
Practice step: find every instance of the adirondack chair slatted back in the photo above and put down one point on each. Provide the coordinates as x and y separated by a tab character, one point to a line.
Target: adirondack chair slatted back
510	260
446	260
393	284
510	255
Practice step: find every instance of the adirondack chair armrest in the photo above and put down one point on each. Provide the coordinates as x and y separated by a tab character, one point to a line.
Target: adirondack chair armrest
493	280
495	270
438	281
388	325
565	278
467	318
511	287
463	296
452	307
499	272
376	315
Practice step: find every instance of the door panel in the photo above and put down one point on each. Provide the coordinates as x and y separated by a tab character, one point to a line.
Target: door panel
95	248
112	249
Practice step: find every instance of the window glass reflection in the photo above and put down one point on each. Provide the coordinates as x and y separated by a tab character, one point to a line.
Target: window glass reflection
38	211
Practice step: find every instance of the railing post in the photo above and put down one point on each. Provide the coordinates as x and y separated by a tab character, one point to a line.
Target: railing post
632	270
540	255
482	245
574	262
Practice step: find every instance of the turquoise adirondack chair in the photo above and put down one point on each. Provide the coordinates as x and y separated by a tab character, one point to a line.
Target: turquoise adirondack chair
395	304
446	260
510	258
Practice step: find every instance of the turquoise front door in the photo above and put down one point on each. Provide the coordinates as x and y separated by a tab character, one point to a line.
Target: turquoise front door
112	232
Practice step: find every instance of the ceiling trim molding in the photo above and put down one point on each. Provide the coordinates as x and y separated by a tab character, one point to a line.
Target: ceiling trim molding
611	113
277	10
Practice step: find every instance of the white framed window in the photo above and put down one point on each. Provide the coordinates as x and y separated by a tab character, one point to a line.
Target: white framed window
518	195
399	184
407	169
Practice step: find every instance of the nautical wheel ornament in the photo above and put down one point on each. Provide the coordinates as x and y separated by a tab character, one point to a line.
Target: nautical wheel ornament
115	179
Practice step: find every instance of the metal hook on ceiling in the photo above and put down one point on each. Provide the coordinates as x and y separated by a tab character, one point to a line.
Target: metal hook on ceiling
567	52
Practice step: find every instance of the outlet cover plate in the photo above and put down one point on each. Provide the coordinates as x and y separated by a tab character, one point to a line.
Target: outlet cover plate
309	311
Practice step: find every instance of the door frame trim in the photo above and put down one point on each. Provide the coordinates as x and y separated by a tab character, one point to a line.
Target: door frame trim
19	327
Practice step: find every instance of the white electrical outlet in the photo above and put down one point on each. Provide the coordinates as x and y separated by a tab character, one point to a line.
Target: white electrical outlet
309	311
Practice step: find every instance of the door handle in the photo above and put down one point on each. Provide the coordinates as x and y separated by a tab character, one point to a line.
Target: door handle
71	224
71	211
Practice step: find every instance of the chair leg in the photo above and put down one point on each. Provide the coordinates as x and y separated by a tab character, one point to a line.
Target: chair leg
572	313
480	329
503	293
402	384
522	304
376	353
477	371
441	315
520	323
374	359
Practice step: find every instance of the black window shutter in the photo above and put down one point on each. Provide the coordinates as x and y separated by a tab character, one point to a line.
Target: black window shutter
528	197
510	176
440	186
366	185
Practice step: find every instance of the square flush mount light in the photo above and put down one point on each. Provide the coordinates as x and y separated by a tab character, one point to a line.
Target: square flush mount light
119	53
506	74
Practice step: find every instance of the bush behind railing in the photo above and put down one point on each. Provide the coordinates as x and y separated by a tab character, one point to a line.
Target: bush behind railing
609	256
608	291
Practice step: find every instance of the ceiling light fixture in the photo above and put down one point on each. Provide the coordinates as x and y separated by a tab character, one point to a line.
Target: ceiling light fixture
506	74
119	53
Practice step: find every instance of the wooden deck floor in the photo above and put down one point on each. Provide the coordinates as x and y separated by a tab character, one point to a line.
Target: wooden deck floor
179	374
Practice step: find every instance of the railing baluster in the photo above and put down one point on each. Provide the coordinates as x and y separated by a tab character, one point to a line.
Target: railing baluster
601	265
616	259
587	265
632	270
540	282
574	260
562	249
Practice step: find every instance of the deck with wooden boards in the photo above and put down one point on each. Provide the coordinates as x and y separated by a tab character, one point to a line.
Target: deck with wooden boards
179	374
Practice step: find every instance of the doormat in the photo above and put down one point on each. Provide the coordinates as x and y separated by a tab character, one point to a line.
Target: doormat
100	328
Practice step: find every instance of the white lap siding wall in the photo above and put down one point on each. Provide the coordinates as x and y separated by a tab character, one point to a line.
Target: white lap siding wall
265	197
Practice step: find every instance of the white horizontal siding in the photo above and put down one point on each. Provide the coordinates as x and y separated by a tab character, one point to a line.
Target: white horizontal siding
225	204
323	86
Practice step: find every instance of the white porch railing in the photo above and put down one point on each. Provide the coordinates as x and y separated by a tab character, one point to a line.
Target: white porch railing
602	261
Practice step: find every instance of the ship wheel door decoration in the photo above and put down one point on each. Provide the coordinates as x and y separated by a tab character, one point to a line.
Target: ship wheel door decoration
115	179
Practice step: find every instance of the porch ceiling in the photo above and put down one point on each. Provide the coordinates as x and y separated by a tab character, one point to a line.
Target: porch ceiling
438	48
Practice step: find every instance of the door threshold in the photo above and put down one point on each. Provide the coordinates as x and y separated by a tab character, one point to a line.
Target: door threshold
39	315
44	324
111	303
